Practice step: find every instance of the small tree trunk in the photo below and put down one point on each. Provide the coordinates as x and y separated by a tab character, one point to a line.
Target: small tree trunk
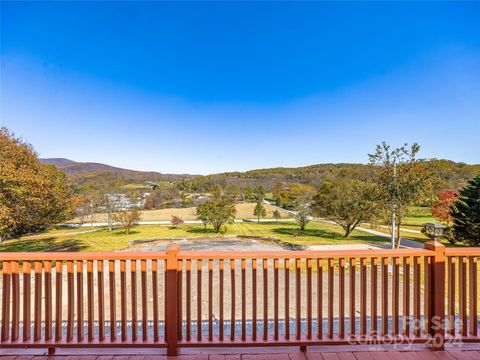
399	238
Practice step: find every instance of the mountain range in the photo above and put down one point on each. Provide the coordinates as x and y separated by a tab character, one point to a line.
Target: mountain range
449	174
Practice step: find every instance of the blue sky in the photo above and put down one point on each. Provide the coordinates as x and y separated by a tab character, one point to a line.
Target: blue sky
210	87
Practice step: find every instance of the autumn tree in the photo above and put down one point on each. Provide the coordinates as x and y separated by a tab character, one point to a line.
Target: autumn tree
110	206
276	215
292	194
277	189
259	210
176	221
302	215
248	193
346	202
466	213
217	211
259	192
33	195
299	198
402	180
203	211
127	218
442	207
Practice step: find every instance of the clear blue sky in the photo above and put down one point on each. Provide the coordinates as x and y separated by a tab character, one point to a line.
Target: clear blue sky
210	87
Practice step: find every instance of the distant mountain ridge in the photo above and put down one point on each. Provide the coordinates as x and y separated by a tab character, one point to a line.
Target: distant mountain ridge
74	170
449	173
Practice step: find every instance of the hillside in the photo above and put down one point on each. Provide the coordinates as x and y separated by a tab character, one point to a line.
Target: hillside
81	173
449	174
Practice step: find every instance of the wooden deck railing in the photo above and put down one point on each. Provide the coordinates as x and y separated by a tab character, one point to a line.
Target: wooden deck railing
177	299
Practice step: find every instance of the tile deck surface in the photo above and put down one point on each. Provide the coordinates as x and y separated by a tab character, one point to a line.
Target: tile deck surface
464	352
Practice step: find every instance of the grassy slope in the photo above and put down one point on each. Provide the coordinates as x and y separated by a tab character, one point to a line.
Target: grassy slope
316	234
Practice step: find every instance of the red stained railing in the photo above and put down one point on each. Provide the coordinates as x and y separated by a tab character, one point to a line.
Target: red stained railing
177	299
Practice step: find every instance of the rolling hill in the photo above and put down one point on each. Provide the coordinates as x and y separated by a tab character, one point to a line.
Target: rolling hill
80	170
449	174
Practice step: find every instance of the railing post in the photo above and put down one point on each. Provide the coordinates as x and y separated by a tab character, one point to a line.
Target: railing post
437	295
171	315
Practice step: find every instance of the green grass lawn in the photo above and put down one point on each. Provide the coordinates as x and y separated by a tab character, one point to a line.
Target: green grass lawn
317	233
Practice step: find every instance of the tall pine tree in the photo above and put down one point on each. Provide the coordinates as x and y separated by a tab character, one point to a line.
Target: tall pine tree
466	214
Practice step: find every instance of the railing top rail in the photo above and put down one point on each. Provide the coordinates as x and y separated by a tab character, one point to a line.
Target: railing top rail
310	254
215	255
48	256
465	251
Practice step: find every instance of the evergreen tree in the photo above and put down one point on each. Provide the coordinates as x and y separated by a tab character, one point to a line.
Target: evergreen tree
466	214
259	210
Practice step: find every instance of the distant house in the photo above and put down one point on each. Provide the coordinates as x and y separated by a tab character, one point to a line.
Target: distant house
123	202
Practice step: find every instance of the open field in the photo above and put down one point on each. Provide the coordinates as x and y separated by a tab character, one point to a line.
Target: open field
244	211
317	233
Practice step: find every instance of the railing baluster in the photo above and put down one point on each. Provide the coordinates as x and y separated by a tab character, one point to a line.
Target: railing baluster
188	300
451	294
463	295
406	296
232	291
426	294
58	300
275	298
123	298
90	300
254	299
220	296
27	275
244	303
395	295
384	296
319	298
287	298
101	301
416	296
133	288
309	299
143	269
15	300
363	296
155	299
37	325
113	302
210	300
373	297
341	298
199	300
330	298
298	297
179	300
351	296
6	300
80	300
70	300
48	299
265	299
473	296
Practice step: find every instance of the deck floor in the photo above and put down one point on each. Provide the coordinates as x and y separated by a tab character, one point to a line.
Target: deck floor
458	352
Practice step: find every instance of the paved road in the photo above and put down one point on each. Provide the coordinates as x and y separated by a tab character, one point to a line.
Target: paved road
404	243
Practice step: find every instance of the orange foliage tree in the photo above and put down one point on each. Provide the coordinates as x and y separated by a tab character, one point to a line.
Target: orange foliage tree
441	209
33	195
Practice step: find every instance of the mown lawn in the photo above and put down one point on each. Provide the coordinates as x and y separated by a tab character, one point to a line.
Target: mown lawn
317	233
